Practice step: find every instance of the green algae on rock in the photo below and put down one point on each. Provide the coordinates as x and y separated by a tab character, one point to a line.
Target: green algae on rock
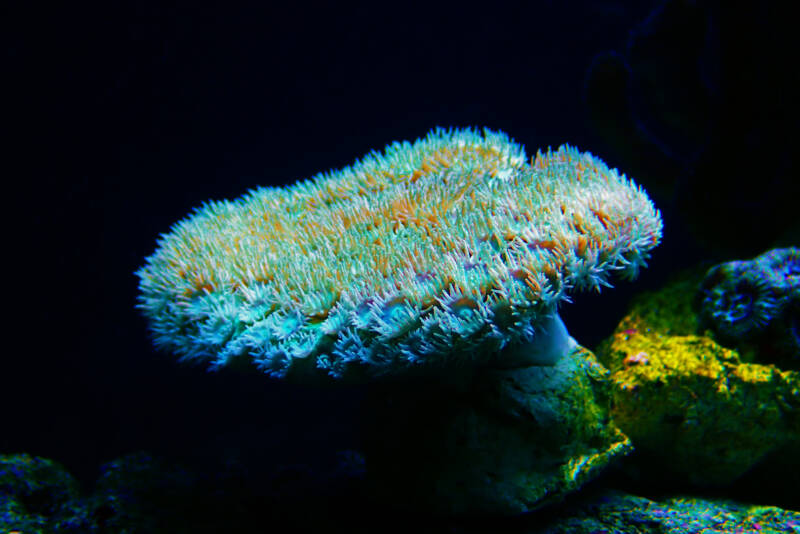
512	441
697	407
612	511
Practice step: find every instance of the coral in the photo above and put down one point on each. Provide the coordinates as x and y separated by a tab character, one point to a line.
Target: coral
785	263
450	248
753	304
695	406
738	300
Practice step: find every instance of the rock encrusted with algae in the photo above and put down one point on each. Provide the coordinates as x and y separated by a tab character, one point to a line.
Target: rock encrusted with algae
38	496
612	512
510	442
142	494
697	407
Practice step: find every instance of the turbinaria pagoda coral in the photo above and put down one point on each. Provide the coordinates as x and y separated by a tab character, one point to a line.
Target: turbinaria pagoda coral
453	248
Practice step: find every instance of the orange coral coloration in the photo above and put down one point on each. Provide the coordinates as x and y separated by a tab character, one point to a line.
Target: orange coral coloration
320	272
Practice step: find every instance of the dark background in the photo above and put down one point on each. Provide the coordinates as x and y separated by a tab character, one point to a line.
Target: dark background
122	118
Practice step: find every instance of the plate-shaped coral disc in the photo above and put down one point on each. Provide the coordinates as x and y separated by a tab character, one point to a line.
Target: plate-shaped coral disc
447	249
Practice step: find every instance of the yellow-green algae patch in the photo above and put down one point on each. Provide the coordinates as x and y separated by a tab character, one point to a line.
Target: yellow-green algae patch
697	407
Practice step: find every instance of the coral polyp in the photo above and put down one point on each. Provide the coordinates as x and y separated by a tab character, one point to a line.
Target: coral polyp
739	299
756	302
452	247
784	262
